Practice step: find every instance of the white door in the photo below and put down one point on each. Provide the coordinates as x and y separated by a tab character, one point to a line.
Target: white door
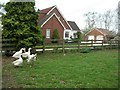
99	37
91	37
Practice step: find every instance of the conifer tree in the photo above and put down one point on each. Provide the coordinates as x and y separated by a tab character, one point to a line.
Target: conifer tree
20	24
55	35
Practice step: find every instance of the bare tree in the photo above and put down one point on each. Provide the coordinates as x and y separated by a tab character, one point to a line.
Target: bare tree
2	5
2	12
99	22
115	20
90	20
107	19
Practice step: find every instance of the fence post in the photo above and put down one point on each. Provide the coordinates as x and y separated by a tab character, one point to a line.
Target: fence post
102	44
110	44
118	44
63	48
0	43
43	45
79	40
92	43
78	45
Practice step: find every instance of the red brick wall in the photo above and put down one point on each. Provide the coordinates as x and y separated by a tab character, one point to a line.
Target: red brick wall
53	24
95	33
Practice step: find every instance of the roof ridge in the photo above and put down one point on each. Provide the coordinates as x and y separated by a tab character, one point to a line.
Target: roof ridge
46	10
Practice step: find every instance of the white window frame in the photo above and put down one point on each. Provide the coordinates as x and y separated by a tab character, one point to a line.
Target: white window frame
47	33
67	33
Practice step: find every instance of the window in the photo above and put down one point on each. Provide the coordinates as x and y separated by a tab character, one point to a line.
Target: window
66	34
47	33
74	35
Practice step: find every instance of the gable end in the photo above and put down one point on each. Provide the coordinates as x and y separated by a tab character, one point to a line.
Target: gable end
50	18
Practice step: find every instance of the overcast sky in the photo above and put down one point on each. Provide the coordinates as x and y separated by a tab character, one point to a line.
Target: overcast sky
73	10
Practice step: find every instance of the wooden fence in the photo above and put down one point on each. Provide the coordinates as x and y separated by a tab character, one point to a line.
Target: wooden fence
7	44
63	45
76	45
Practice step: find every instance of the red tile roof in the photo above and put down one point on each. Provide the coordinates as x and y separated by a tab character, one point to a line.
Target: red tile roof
106	32
46	10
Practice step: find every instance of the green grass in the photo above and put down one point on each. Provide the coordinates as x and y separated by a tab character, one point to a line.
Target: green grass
97	69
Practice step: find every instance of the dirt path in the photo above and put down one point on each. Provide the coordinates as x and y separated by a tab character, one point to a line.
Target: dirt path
7	80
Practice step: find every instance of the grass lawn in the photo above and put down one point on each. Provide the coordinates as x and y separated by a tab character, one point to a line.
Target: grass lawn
97	69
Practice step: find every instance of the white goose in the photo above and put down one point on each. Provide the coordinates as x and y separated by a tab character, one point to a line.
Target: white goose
17	54
31	57
26	54
18	62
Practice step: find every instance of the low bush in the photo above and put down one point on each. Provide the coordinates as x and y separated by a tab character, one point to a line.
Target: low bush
85	50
